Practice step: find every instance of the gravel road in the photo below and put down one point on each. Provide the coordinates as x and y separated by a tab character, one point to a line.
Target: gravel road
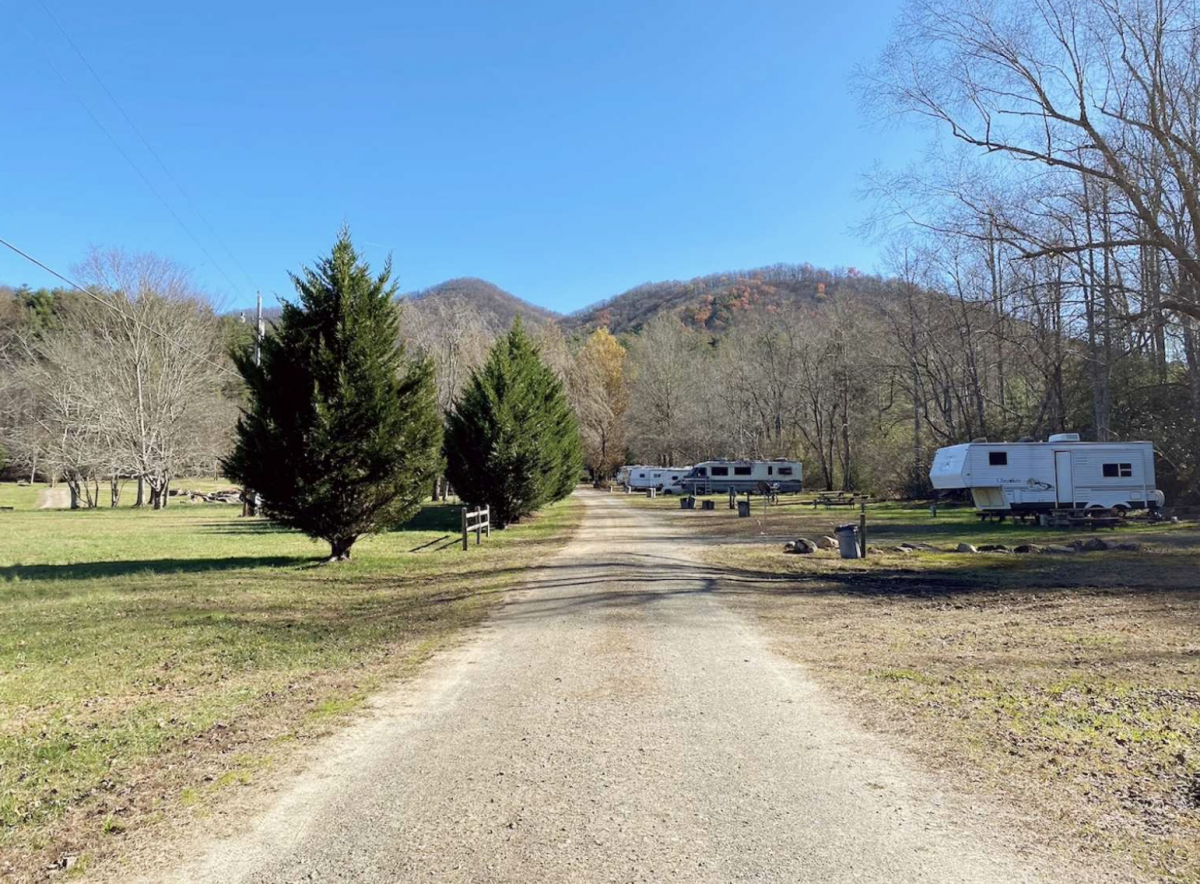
614	722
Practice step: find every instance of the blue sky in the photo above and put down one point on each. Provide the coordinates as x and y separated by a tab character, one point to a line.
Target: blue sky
564	151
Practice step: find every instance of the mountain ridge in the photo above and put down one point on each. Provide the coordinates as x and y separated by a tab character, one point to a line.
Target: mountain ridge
713	302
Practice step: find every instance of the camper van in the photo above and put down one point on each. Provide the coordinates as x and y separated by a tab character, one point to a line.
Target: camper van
643	478
722	476
1061	473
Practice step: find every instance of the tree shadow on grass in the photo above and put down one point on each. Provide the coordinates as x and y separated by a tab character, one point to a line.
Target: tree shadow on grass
252	526
434	517
132	567
441	517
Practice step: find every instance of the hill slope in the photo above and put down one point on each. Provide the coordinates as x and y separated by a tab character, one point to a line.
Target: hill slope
715	302
499	307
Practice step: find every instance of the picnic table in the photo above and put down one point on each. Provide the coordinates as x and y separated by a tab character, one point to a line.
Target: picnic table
839	498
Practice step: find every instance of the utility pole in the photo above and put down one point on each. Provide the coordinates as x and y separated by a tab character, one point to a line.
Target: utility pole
258	332
250	496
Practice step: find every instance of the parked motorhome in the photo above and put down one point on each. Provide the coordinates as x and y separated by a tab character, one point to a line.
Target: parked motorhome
1061	473
721	476
642	478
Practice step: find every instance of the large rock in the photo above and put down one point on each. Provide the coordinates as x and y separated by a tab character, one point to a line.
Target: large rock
801	546
993	547
1126	546
1093	544
966	548
1026	548
922	547
827	543
1056	549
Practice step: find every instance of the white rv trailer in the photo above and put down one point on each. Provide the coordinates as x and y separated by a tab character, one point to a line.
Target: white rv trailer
722	476
1062	473
643	478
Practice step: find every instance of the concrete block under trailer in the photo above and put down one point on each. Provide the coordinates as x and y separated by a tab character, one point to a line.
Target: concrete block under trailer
1062	473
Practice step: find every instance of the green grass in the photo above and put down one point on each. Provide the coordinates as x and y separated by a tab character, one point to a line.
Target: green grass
139	647
20	497
888	523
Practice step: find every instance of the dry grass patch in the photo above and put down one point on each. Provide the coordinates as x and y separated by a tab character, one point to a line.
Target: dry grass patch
1069	684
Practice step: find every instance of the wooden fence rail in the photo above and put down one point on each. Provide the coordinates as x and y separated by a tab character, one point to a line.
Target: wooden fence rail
479	521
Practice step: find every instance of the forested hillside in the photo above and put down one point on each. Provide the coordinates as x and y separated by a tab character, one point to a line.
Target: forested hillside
716	302
496	306
862	377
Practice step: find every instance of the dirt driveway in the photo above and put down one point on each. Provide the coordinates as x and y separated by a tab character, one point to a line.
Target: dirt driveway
613	722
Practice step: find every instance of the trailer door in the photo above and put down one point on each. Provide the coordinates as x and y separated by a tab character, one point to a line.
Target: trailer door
1064	478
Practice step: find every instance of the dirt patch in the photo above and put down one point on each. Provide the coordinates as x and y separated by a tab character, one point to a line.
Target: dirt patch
54	499
1068	686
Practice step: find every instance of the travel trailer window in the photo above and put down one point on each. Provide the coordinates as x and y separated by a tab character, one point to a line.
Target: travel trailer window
997	458
701	471
720	471
785	471
770	471
1118	470
741	471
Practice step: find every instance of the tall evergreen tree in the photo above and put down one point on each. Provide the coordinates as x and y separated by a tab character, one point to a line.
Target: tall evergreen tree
342	435
512	441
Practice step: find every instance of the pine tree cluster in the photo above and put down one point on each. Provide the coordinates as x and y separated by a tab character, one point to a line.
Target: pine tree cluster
512	440
343	437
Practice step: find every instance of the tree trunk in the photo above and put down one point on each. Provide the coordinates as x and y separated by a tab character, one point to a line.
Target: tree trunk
114	493
1191	347
339	549
141	491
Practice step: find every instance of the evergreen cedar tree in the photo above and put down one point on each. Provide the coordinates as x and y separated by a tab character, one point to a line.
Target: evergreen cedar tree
512	442
342	435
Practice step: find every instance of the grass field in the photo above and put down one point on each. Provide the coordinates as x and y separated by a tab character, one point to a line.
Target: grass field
1069	685
151	660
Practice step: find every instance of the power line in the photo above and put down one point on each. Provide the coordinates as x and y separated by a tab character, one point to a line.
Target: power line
111	306
154	190
145	143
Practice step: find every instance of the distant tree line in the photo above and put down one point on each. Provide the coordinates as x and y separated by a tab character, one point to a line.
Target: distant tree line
862	377
1064	201
130	383
975	333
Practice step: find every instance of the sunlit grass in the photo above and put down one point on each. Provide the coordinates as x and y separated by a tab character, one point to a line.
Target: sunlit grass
131	636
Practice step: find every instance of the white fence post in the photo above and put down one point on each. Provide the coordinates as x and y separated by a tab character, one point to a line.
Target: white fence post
479	521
